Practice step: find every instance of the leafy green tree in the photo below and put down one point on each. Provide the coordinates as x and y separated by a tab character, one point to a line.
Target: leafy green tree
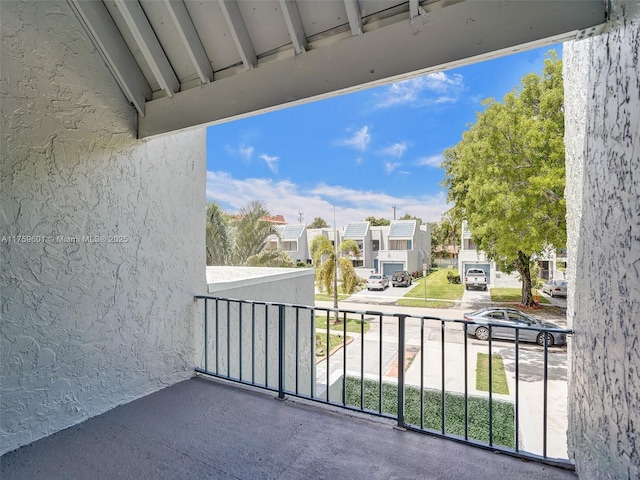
218	240
251	232
407	216
450	230
377	222
318	222
270	258
507	174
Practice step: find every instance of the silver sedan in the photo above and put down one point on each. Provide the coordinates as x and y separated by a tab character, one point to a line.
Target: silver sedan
506	321
555	288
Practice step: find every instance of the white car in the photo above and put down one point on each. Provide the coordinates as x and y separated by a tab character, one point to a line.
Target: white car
555	288
377	282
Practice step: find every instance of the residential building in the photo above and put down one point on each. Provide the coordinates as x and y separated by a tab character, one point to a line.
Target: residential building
470	256
406	246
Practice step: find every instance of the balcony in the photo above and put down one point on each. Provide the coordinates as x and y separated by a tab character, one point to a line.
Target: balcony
351	413
202	429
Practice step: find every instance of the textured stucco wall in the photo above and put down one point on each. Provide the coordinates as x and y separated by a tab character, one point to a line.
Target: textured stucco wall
253	342
602	107
88	323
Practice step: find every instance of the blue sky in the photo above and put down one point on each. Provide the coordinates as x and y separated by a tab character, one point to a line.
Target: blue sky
362	152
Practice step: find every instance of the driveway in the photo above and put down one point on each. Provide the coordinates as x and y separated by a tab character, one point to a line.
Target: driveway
388	295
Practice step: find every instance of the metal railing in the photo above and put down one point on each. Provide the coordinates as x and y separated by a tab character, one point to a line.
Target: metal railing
365	361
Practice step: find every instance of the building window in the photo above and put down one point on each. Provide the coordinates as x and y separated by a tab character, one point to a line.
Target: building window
376	245
400	245
290	246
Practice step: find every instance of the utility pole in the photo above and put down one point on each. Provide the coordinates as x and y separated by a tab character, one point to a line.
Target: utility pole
335	268
394	210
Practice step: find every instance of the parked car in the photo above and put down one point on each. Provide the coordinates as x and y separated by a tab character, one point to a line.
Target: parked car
401	278
504	325
555	288
475	277
377	282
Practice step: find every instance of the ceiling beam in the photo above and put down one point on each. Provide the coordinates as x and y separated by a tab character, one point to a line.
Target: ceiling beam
190	39
239	32
413	8
471	31
294	25
105	35
149	45
353	14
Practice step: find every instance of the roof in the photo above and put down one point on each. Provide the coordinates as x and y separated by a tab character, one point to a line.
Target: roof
188	63
278	219
402	228
292	232
356	230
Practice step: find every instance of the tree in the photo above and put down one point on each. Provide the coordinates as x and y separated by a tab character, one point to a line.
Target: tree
407	216
251	232
270	258
324	259
377	222
318	222
233	240
218	239
507	174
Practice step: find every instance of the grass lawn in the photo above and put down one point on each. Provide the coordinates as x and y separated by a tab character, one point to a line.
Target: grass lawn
511	295
353	324
437	287
329	298
321	343
498	376
478	422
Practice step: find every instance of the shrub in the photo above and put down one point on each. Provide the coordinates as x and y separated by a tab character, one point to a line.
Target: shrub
453	277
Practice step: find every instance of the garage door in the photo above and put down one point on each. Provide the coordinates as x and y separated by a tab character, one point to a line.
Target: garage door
389	268
483	266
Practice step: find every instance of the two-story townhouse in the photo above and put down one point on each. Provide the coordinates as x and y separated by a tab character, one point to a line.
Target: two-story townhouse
407	247
293	241
360	232
471	257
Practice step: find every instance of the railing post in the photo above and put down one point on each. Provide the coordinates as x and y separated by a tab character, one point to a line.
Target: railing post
401	357
281	352
206	336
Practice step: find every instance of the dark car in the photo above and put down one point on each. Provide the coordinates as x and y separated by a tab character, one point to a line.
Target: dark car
401	278
504	323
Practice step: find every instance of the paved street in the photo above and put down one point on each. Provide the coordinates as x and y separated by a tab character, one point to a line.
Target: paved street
530	364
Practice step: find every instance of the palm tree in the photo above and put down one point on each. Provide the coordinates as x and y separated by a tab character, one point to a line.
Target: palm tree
270	258
218	239
324	259
250	232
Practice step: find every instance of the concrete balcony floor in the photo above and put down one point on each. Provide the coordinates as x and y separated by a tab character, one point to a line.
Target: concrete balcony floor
205	429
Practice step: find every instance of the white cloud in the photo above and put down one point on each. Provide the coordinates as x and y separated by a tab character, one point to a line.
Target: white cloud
435	88
272	162
395	150
359	140
245	151
391	166
432	161
286	198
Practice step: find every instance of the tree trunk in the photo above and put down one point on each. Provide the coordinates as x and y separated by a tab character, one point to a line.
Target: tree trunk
523	266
